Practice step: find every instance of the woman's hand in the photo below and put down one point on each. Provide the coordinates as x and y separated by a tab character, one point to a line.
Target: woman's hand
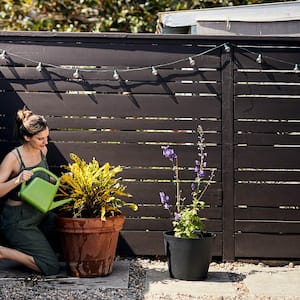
23	176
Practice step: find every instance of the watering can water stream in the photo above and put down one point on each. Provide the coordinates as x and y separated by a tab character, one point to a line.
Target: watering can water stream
40	193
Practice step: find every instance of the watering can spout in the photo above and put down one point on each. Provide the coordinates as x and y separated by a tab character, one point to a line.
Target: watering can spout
58	203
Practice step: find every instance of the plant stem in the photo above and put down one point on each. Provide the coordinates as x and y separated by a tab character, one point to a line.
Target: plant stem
177	187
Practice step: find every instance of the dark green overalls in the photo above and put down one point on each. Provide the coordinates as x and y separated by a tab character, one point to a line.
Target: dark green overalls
24	228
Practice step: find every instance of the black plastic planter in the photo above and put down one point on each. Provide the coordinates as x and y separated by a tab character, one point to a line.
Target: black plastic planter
188	259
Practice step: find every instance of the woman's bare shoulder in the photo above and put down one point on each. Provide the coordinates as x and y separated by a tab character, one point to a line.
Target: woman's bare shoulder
9	165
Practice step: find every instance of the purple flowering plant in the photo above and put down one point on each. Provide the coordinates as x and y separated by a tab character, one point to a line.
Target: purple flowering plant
186	220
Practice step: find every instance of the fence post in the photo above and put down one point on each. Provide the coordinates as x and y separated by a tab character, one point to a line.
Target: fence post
228	153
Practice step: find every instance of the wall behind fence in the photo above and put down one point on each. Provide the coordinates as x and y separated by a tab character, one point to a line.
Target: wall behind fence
246	109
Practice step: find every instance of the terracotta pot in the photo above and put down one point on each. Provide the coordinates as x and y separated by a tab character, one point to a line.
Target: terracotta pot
89	244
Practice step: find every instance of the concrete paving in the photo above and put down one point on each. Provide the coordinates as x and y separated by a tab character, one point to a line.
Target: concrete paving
117	280
232	281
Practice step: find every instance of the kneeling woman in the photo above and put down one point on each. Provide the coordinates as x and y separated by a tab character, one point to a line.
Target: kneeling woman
23	226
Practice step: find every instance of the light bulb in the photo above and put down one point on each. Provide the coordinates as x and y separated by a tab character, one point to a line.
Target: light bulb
3	54
296	68
116	75
76	74
192	62
227	48
39	67
154	71
259	59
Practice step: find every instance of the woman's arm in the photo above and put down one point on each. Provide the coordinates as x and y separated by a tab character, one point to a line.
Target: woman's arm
9	166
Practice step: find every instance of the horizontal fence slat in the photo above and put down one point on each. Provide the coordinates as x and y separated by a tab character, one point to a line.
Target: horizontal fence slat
137	123
130	137
272	195
263	76
276	126
113	105
144	174
110	53
267	245
261	89
158	224
267	108
267	157
267	213
158	211
267	227
112	86
268	175
267	139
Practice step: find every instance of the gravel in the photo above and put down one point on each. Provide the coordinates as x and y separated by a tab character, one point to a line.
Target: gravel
30	288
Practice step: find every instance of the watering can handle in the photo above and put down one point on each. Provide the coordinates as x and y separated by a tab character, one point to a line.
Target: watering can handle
40	169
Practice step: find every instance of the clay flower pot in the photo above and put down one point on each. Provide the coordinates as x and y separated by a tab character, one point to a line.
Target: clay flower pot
89	244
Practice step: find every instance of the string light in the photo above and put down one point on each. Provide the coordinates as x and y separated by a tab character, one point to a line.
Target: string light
154	71
259	59
39	67
296	68
76	74
192	62
226	48
116	75
3	54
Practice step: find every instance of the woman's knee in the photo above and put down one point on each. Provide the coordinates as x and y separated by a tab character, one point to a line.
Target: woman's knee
49	266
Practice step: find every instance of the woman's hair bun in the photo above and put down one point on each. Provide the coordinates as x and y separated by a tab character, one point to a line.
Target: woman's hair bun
24	114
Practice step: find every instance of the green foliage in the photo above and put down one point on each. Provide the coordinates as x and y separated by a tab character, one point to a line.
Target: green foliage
189	223
94	189
95	15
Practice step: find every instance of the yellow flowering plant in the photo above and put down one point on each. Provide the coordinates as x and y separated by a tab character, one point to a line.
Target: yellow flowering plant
94	188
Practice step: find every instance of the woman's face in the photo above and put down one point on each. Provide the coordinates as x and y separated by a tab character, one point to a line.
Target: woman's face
39	140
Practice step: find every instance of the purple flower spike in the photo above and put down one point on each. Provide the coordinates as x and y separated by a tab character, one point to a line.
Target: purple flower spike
176	216
164	199
200	174
193	186
166	205
169	153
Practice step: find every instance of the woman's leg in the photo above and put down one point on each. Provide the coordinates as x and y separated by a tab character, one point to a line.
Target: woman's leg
20	228
18	256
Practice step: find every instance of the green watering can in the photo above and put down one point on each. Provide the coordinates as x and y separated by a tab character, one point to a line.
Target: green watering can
40	193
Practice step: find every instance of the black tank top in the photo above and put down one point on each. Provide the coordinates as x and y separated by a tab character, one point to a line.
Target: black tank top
13	194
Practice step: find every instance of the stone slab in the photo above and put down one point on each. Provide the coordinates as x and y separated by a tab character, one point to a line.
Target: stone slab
12	272
274	282
158	282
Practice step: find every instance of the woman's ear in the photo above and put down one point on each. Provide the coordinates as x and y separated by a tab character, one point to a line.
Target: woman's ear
26	138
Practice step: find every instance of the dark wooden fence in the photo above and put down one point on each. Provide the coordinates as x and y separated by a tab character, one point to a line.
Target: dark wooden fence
250	111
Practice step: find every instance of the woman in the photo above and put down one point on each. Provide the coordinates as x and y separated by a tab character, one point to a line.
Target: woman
22	225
